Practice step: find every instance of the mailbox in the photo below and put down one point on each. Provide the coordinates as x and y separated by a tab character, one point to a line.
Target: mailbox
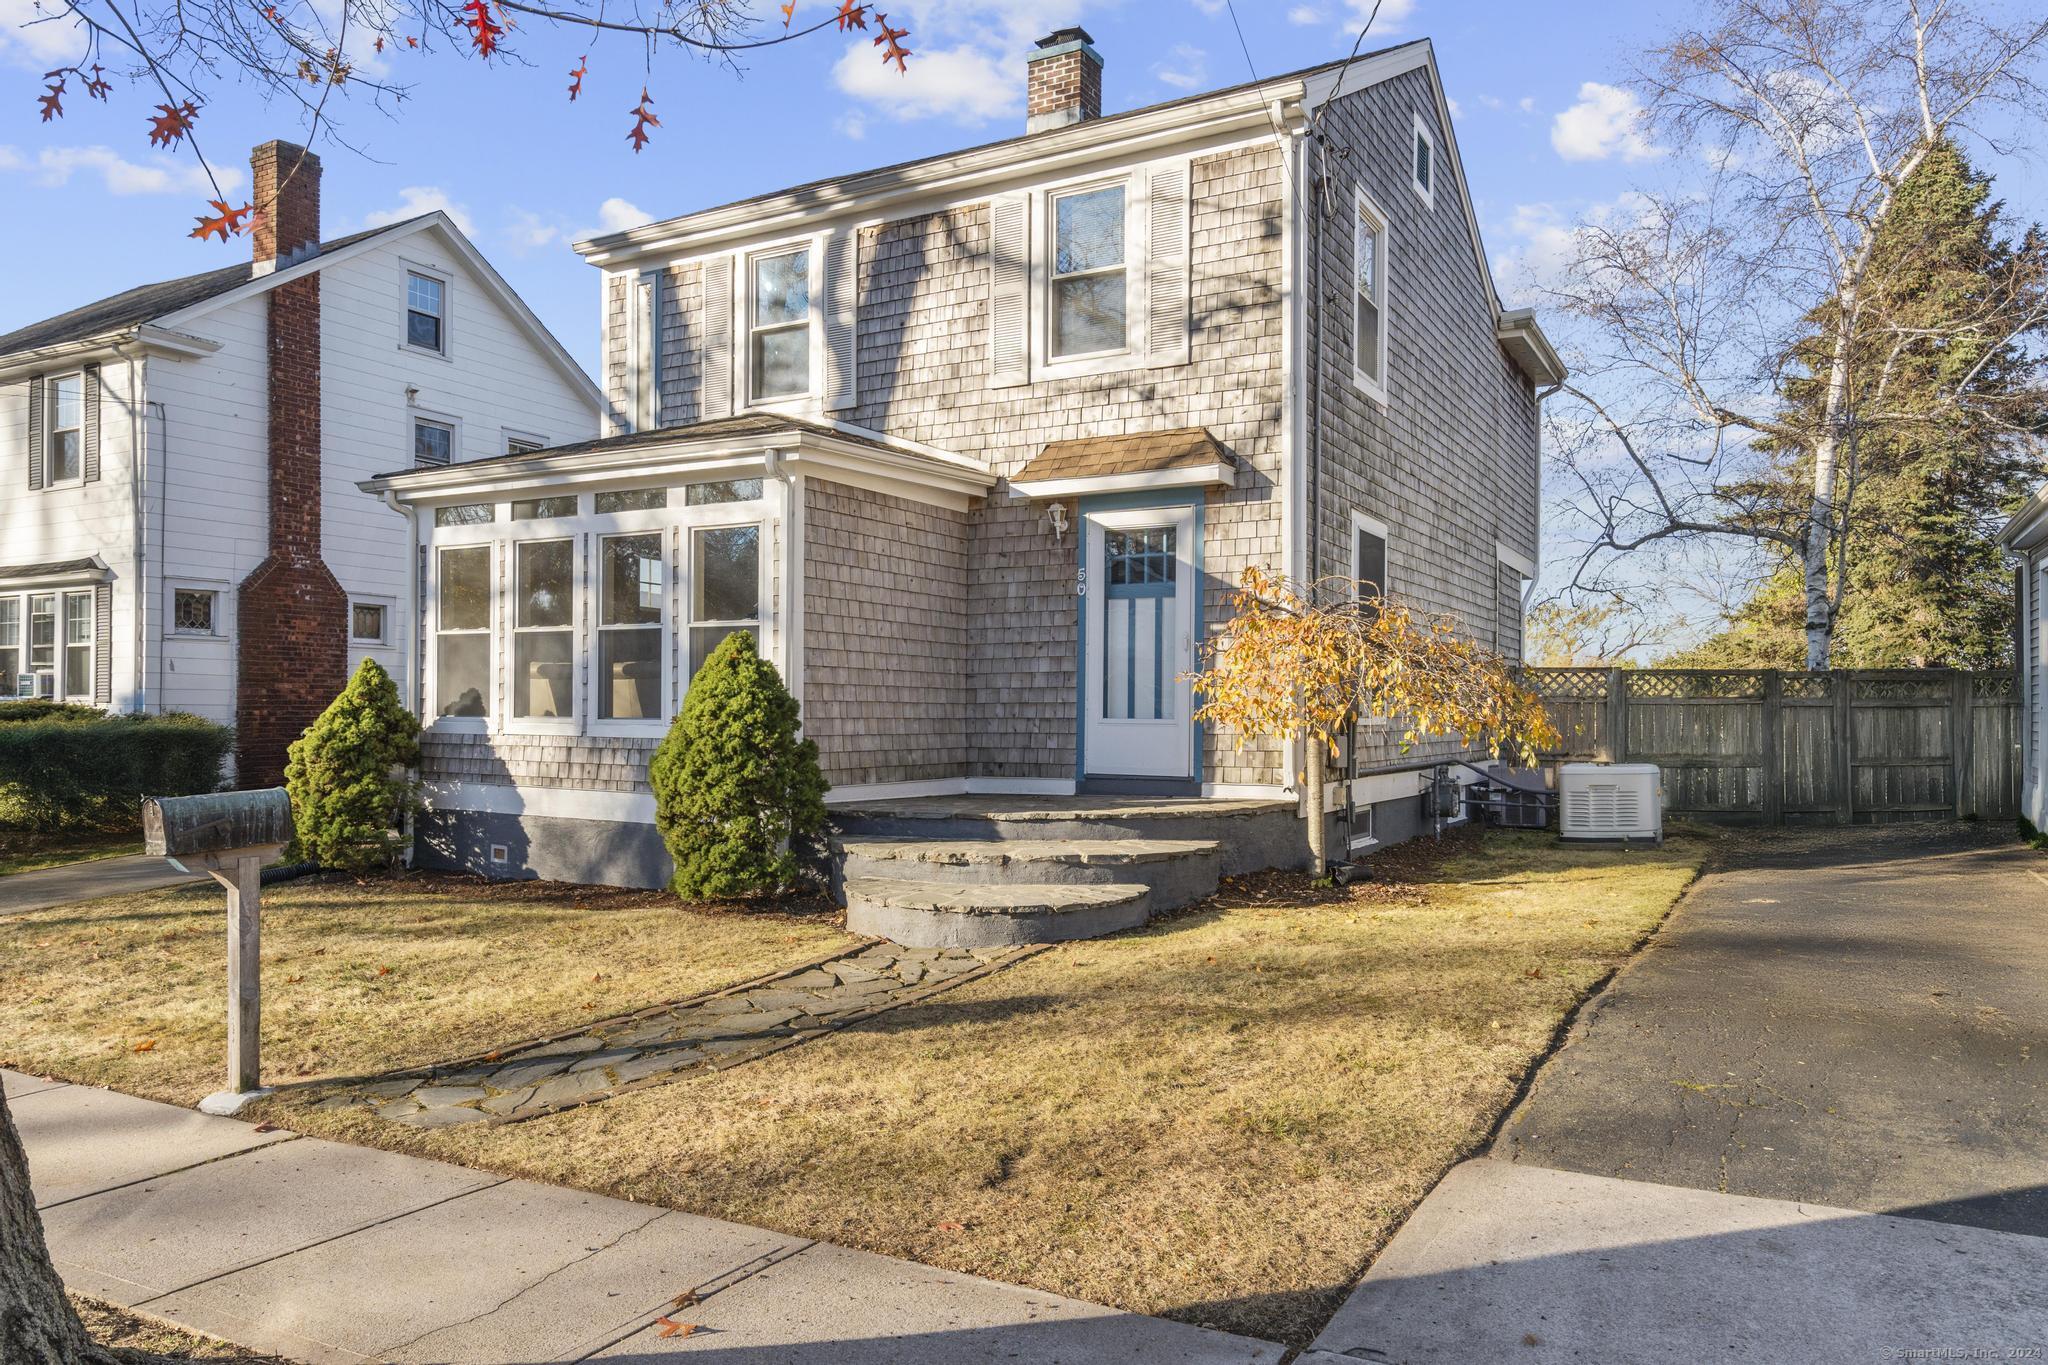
229	836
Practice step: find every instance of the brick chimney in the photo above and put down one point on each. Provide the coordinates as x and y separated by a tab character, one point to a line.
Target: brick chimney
292	644
1063	81
286	193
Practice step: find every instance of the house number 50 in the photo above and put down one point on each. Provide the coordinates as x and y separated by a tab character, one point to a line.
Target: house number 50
1080	583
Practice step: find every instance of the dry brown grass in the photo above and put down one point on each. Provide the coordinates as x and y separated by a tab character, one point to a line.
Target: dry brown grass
357	977
1221	1118
146	1341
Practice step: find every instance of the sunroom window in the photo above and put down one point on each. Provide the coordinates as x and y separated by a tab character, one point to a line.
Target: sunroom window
543	641
631	589
462	657
78	623
1090	296
725	574
10	644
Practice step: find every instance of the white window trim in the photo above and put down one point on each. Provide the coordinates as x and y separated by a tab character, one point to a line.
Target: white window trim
1375	389
64	645
643	341
1131	356
414	416
674	522
50	429
1426	193
388	605
1361	522
220	595
507	435
447	280
507	642
743	327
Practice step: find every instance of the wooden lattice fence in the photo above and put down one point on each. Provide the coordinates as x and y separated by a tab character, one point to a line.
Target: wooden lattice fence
1759	746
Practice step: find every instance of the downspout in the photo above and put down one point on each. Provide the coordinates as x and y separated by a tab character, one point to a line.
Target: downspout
415	661
775	466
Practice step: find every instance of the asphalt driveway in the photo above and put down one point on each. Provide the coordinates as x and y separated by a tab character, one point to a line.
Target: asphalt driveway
1805	1123
1857	1019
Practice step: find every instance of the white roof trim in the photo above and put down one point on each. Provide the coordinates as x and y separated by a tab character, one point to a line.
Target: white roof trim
1530	349
2023	532
1218	475
948	482
1515	560
439	222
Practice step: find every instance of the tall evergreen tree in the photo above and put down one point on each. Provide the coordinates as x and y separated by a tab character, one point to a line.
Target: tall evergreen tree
1917	580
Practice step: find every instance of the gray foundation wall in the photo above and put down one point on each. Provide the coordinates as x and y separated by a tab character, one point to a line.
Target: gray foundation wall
542	848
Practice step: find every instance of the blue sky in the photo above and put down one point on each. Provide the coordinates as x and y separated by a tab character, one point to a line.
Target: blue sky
526	171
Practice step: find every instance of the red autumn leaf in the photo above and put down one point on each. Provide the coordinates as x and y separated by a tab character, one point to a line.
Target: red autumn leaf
671	1328
53	98
270	13
266	1127
411	41
949	1226
168	127
383	971
852	14
228	222
891	39
576	76
96	84
492	1056
484	28
146	1045
788	13
643	119
378	46
687	1299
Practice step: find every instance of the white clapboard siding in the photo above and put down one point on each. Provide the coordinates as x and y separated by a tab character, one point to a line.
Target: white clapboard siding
1166	264
717	337
1009	306
842	307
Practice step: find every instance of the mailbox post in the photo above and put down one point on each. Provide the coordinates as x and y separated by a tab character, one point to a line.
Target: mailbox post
229	836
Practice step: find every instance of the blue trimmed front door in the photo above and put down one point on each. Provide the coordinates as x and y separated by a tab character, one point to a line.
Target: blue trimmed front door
1138	619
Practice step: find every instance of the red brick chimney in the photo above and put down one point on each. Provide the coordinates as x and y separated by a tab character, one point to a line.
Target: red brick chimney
1063	81
292	645
286	194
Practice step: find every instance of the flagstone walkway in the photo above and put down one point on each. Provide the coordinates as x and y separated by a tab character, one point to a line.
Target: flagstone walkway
670	1042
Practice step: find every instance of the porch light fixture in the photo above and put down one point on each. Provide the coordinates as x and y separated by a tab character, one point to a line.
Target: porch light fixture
1057	514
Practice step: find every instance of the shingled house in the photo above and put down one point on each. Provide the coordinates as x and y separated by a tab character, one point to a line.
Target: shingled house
977	446
179	519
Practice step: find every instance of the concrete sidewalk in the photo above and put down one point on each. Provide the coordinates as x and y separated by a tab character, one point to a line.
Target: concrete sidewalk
87	881
329	1253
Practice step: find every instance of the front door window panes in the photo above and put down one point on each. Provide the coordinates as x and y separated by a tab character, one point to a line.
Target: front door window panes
1139	630
462	660
1089	296
725	574
543	644
782	325
631	589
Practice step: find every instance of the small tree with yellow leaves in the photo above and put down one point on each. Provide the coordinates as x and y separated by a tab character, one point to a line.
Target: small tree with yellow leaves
1304	663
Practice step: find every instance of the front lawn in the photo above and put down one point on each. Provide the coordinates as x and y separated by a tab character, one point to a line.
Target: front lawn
358	977
1221	1118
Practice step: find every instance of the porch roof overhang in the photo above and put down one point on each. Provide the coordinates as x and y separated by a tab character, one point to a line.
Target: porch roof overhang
55	573
1523	340
2028	525
1187	457
722	448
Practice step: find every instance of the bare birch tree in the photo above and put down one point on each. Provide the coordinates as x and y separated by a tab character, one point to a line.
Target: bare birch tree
1698	304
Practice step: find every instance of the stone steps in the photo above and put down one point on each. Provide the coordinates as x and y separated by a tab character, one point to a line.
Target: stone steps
926	914
1178	872
1253	835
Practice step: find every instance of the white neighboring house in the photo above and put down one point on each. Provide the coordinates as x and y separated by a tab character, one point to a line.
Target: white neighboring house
180	522
2026	537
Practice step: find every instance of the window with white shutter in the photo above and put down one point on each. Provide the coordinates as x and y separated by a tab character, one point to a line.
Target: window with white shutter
1166	265
842	307
1009	307
717	332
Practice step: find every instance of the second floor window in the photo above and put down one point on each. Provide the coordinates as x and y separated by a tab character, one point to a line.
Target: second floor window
425	316
65	453
779	323
1369	318
1090	294
432	443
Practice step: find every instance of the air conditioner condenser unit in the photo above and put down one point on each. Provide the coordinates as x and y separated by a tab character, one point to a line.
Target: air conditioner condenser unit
1611	801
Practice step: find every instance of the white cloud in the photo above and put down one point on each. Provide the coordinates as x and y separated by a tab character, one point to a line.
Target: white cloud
853	125
1457	110
528	231
51	42
415	200
1393	14
1185	67
1607	121
1527	104
1211	6
620	215
1544	244
1304	16
964	84
160	174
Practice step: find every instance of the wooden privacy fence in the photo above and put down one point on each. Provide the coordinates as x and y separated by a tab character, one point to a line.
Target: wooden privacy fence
1760	746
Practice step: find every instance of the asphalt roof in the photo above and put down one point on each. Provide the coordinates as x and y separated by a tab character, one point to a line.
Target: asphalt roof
613	240
750	424
147	302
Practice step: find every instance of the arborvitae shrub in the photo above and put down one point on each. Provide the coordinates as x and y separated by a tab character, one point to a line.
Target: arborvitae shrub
738	797
349	777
